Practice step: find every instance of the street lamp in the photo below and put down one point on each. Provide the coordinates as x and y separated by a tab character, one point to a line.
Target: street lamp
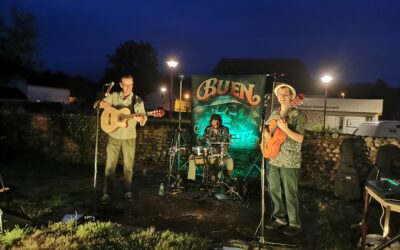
342	94
326	79
172	64
162	94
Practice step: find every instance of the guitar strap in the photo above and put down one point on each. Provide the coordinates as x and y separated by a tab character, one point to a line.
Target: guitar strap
135	100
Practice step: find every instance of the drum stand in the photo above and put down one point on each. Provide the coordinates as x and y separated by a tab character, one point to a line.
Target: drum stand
222	195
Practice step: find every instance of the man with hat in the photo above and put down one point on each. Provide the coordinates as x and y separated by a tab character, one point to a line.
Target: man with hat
284	168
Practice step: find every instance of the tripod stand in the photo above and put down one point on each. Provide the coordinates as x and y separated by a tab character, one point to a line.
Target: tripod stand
253	165
176	147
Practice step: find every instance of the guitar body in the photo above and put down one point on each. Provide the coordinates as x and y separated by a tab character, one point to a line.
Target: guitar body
111	119
270	148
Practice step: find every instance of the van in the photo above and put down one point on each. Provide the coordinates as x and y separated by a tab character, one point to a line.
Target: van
389	129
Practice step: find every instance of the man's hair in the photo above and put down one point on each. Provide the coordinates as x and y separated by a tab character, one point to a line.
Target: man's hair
127	76
216	117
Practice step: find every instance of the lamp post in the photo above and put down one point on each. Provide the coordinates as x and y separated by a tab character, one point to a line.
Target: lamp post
162	94
172	65
326	79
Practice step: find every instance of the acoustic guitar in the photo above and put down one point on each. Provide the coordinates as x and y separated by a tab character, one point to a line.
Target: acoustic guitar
113	118
270	148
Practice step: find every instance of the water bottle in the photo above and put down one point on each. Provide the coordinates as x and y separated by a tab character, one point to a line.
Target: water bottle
161	191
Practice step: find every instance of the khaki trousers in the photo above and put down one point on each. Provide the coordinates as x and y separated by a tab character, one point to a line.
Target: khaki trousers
128	151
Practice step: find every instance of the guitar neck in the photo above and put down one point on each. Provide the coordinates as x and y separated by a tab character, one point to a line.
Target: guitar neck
137	114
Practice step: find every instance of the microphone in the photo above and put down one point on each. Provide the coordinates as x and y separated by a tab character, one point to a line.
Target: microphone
110	85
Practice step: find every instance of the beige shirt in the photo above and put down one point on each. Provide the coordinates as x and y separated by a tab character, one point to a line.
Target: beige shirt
117	100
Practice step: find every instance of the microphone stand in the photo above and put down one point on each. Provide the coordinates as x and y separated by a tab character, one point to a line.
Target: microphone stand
96	106
264	165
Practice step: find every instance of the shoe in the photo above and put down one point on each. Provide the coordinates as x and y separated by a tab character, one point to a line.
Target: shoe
128	196
105	199
276	224
291	230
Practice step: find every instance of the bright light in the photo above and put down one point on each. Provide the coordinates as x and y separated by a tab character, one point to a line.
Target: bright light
172	63
163	89
187	96
342	94
326	78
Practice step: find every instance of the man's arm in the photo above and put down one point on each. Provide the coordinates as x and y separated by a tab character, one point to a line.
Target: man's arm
104	104
142	118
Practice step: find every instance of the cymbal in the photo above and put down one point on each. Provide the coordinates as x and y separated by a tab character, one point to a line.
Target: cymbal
221	143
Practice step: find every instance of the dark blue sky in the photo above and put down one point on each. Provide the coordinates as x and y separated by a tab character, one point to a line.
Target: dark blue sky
358	41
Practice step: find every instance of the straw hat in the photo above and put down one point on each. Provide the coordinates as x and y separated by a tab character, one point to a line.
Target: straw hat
281	85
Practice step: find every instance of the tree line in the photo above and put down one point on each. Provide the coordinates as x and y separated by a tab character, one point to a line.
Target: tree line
19	57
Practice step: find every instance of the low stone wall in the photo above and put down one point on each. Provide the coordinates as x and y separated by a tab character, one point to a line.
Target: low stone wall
72	138
321	157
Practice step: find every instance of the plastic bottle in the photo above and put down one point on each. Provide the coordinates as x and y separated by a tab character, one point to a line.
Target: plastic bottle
161	191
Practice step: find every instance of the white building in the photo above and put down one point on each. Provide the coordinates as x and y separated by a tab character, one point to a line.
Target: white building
342	115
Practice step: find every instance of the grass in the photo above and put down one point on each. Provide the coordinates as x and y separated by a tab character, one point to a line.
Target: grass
97	235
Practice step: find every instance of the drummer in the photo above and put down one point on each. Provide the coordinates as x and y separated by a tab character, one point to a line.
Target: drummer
215	136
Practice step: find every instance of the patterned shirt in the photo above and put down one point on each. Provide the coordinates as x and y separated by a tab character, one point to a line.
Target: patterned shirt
222	135
289	155
116	99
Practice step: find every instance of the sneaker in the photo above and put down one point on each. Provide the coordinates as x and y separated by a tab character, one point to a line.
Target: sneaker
276	224
105	199
291	230
128	196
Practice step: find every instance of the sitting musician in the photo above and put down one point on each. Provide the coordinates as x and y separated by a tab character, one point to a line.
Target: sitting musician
217	136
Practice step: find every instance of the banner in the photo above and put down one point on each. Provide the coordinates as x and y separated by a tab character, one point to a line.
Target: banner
237	99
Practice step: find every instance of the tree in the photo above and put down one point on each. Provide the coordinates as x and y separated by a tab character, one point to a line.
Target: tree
139	60
18	50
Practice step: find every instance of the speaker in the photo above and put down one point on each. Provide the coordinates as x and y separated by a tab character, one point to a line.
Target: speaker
8	220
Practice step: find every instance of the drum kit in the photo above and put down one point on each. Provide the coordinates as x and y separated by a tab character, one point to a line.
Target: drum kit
214	174
211	158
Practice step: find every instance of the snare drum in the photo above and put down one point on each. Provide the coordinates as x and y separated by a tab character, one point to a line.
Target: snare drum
199	160
199	151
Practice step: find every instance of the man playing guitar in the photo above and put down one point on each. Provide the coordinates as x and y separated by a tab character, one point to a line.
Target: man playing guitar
123	137
284	167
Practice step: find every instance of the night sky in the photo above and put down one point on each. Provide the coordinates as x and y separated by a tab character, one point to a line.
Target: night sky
356	41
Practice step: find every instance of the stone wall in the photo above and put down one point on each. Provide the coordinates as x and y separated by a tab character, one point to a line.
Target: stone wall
72	138
321	157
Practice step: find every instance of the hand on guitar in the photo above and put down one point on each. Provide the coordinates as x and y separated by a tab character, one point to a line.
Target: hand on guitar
266	134
282	124
139	118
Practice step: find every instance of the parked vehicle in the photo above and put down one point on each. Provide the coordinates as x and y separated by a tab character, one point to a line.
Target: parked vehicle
389	129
